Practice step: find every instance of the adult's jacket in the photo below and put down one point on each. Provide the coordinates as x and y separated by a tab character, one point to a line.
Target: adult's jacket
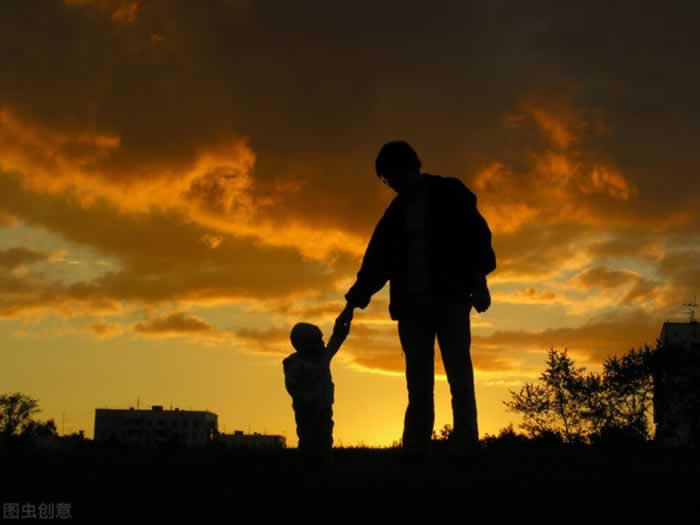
459	249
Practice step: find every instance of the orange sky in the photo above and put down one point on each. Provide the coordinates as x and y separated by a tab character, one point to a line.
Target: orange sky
181	182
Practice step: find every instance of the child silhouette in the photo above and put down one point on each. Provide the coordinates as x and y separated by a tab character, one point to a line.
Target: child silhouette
307	377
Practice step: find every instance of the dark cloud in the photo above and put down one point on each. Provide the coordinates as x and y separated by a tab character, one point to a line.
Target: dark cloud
537	251
258	123
179	323
270	340
642	292
626	243
102	329
681	269
317	89
19	256
23	296
530	295
677	271
601	277
597	339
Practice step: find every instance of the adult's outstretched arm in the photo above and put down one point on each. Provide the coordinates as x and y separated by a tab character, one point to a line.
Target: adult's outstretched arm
374	271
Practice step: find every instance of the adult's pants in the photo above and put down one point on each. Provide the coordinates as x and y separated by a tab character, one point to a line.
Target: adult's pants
449	323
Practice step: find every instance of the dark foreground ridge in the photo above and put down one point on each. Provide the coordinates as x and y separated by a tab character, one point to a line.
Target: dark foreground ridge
175	480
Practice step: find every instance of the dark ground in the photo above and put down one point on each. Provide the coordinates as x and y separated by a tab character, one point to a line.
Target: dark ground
122	483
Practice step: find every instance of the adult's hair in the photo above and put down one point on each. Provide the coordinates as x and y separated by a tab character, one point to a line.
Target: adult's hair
397	156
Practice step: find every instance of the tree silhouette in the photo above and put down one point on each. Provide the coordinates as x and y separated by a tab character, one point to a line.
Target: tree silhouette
444	434
41	429
628	392
16	411
558	403
586	407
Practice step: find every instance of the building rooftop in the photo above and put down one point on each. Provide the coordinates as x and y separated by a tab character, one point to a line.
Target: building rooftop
154	409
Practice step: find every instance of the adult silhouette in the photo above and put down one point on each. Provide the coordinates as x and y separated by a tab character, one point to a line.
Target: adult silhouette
434	248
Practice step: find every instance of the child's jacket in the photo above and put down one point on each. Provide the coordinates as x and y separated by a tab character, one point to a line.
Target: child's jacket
309	380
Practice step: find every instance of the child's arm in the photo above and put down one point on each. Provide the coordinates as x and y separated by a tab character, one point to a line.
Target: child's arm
341	329
292	377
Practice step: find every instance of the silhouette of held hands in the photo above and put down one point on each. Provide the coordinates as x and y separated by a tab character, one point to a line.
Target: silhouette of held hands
342	323
346	314
341	329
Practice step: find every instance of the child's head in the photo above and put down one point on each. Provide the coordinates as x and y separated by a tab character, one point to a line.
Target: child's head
307	339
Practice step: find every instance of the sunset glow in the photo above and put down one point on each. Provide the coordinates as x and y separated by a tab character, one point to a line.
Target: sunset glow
182	182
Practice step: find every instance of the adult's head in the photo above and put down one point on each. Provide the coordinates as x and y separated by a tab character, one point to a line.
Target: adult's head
398	165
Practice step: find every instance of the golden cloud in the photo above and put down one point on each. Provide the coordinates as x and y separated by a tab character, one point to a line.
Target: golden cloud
557	189
163	257
217	190
557	126
611	181
557	182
